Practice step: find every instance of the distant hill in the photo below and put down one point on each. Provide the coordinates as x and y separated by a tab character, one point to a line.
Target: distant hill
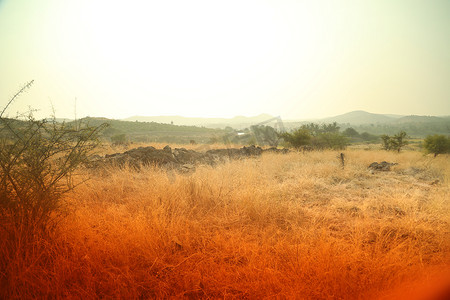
394	116
59	120
208	122
414	126
419	119
360	117
207	130
362	121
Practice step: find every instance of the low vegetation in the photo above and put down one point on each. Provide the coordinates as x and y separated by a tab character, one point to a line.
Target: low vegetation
292	225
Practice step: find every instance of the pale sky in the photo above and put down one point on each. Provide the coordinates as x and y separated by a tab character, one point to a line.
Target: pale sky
293	58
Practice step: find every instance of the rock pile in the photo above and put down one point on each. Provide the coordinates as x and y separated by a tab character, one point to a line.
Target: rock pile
179	158
383	166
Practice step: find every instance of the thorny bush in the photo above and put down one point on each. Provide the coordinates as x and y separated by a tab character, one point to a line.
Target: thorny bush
37	161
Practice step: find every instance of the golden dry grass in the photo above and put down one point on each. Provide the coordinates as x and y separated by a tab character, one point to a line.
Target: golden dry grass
279	226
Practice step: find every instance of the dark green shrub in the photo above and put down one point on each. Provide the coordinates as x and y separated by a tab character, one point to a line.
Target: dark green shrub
396	142
324	136
351	132
330	140
265	135
437	144
369	137
297	138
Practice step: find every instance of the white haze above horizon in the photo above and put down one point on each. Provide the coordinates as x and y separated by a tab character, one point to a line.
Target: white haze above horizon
202	58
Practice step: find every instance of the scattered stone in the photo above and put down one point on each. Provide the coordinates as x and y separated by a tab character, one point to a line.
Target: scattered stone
95	157
187	168
177	244
276	150
399	212
371	237
383	166
306	148
354	211
434	182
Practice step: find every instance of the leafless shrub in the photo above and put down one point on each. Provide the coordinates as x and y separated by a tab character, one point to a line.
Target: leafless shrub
37	161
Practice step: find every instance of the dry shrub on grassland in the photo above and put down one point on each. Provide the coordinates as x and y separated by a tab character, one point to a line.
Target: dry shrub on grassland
295	225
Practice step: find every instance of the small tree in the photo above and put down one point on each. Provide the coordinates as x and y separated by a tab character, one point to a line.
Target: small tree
351	132
266	135
386	142
297	138
399	141
437	144
396	142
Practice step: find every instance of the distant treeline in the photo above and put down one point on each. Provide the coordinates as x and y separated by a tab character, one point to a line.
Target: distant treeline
414	129
148	132
321	134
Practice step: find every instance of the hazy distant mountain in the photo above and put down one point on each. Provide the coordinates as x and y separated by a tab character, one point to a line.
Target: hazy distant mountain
419	119
209	122
204	130
361	117
59	120
358	117
394	116
377	124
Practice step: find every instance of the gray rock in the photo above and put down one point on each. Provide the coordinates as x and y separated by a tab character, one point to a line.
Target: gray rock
383	166
179	158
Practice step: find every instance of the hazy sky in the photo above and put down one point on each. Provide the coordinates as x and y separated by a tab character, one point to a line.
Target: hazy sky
294	58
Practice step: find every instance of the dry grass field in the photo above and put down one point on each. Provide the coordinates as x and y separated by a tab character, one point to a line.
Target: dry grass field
279	226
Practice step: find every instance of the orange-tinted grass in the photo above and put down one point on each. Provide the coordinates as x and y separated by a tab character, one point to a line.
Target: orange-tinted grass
284	226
